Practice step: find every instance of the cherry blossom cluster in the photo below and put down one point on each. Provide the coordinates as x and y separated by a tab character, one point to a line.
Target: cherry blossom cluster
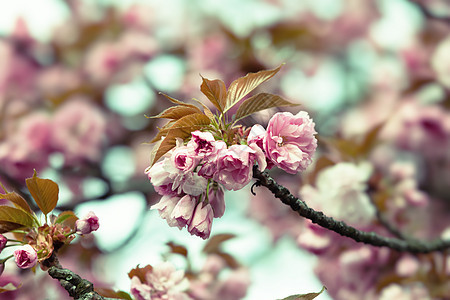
191	178
39	242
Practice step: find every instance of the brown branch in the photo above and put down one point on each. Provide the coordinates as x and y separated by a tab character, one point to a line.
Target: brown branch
317	217
77	287
428	14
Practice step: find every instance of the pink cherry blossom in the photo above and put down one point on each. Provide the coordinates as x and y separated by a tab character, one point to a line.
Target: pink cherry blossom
183	159
289	142
202	143
165	207
25	257
88	224
202	221
234	167
183	210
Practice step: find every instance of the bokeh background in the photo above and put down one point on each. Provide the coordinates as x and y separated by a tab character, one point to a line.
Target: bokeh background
78	78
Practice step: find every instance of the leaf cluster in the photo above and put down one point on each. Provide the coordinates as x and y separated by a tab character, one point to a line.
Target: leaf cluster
185	118
17	213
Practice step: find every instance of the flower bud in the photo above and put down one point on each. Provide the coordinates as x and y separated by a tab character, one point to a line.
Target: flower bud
201	221
217	200
88	224
25	257
183	211
3	241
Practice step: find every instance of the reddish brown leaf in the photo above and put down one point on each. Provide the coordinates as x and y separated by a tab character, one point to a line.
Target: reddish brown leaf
44	191
370	139
8	226
239	88
229	260
173	100
140	272
321	163
177	112
214	243
177	249
163	131
215	91
110	293
16	215
260	102
18	201
180	129
308	296
206	110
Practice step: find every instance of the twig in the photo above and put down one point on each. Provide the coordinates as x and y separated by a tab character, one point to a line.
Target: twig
317	217
428	14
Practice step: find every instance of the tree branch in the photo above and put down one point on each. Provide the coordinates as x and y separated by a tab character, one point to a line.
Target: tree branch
77	287
317	217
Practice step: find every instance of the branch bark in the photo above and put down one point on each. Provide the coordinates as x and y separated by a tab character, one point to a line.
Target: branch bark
317	217
77	287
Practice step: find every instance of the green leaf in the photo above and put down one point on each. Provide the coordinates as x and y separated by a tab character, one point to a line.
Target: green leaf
44	191
67	217
18	201
16	215
215	91
308	296
239	88
180	129
260	102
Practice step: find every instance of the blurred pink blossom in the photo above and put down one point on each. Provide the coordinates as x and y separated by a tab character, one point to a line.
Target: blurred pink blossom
78	131
340	192
162	282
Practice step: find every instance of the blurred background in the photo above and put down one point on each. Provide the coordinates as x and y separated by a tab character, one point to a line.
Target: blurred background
78	78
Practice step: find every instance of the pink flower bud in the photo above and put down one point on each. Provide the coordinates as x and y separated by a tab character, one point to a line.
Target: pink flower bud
217	200
3	241
201	221
88	224
25	257
183	210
